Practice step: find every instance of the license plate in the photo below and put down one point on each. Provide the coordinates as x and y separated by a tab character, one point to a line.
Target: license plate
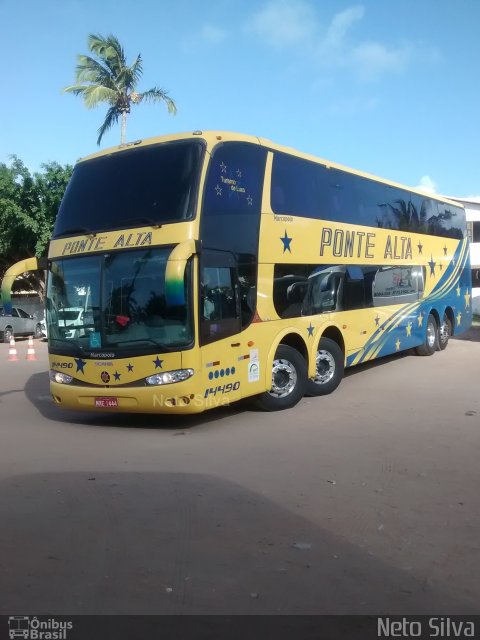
106	403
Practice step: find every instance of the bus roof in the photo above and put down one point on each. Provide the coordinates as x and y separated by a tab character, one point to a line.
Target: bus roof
213	137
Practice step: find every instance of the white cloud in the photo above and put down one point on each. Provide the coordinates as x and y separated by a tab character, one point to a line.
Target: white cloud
427	184
209	35
283	23
212	34
372	59
340	25
332	46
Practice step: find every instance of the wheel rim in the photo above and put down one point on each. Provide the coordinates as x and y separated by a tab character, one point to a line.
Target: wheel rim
7	334
325	367
284	378
431	334
444	331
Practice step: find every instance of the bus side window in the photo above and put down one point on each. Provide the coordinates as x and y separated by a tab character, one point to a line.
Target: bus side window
219	309
354	287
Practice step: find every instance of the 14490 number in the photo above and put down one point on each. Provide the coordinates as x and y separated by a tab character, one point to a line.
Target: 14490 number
225	388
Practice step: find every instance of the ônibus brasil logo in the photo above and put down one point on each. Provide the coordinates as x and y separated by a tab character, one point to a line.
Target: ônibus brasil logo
31	628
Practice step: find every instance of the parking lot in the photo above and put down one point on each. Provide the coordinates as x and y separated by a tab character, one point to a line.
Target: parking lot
365	501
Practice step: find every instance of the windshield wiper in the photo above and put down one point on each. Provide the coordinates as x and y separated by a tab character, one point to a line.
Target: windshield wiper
146	219
84	230
76	347
160	345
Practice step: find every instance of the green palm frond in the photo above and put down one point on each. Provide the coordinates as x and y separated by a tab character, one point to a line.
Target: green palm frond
109	50
76	89
106	77
92	95
95	94
136	69
110	119
159	95
90	70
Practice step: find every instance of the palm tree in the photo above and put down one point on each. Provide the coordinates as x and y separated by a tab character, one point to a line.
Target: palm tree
106	77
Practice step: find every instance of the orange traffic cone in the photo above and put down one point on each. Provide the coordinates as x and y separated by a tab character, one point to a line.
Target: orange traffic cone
31	350
12	351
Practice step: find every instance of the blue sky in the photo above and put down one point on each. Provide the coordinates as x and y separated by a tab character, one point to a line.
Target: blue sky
389	87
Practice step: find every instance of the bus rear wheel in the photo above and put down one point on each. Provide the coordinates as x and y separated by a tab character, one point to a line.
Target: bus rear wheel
289	377
429	347
329	369
444	332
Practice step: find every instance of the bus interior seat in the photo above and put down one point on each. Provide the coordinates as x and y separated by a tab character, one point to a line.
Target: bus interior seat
295	297
325	294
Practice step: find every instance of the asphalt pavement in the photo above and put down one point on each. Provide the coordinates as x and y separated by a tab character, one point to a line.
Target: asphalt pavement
365	501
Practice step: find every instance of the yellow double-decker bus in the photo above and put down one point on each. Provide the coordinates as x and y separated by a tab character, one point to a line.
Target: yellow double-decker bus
193	270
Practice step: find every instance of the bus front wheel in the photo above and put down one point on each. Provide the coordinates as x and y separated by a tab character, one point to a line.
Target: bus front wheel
289	377
329	369
429	347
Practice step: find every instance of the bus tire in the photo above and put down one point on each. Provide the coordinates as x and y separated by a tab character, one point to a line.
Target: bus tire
444	332
289	377
429	347
329	369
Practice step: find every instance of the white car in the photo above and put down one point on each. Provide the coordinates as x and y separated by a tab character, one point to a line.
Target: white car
18	323
71	317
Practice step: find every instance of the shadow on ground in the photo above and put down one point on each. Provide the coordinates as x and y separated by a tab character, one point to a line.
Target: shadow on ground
175	543
37	390
472	334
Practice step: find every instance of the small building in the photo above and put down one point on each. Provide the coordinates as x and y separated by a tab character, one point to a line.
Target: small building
472	210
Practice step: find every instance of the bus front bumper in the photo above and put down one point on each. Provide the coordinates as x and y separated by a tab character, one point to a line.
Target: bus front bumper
176	398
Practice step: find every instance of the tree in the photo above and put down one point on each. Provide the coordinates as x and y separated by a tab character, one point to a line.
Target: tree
28	208
106	77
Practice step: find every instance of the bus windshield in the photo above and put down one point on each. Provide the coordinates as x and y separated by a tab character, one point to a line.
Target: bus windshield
153	185
118	302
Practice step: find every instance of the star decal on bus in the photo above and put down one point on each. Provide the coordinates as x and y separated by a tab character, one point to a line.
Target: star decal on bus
377	320
420	319
445	250
310	329
441	266
249	201
409	329
459	318
420	248
239	173
218	189
286	242
158	363
117	375
458	291
80	364
397	344
223	167
432	265
130	367
467	299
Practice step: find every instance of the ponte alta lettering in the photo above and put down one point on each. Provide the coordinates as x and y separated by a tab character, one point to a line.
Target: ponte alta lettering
361	244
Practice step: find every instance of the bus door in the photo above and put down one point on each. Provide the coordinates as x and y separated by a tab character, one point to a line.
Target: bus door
356	325
220	327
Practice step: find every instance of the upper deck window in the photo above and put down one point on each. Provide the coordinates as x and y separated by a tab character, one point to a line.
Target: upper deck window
312	190
146	185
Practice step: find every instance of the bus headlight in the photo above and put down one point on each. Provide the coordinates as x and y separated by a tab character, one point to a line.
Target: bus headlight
61	378
169	377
